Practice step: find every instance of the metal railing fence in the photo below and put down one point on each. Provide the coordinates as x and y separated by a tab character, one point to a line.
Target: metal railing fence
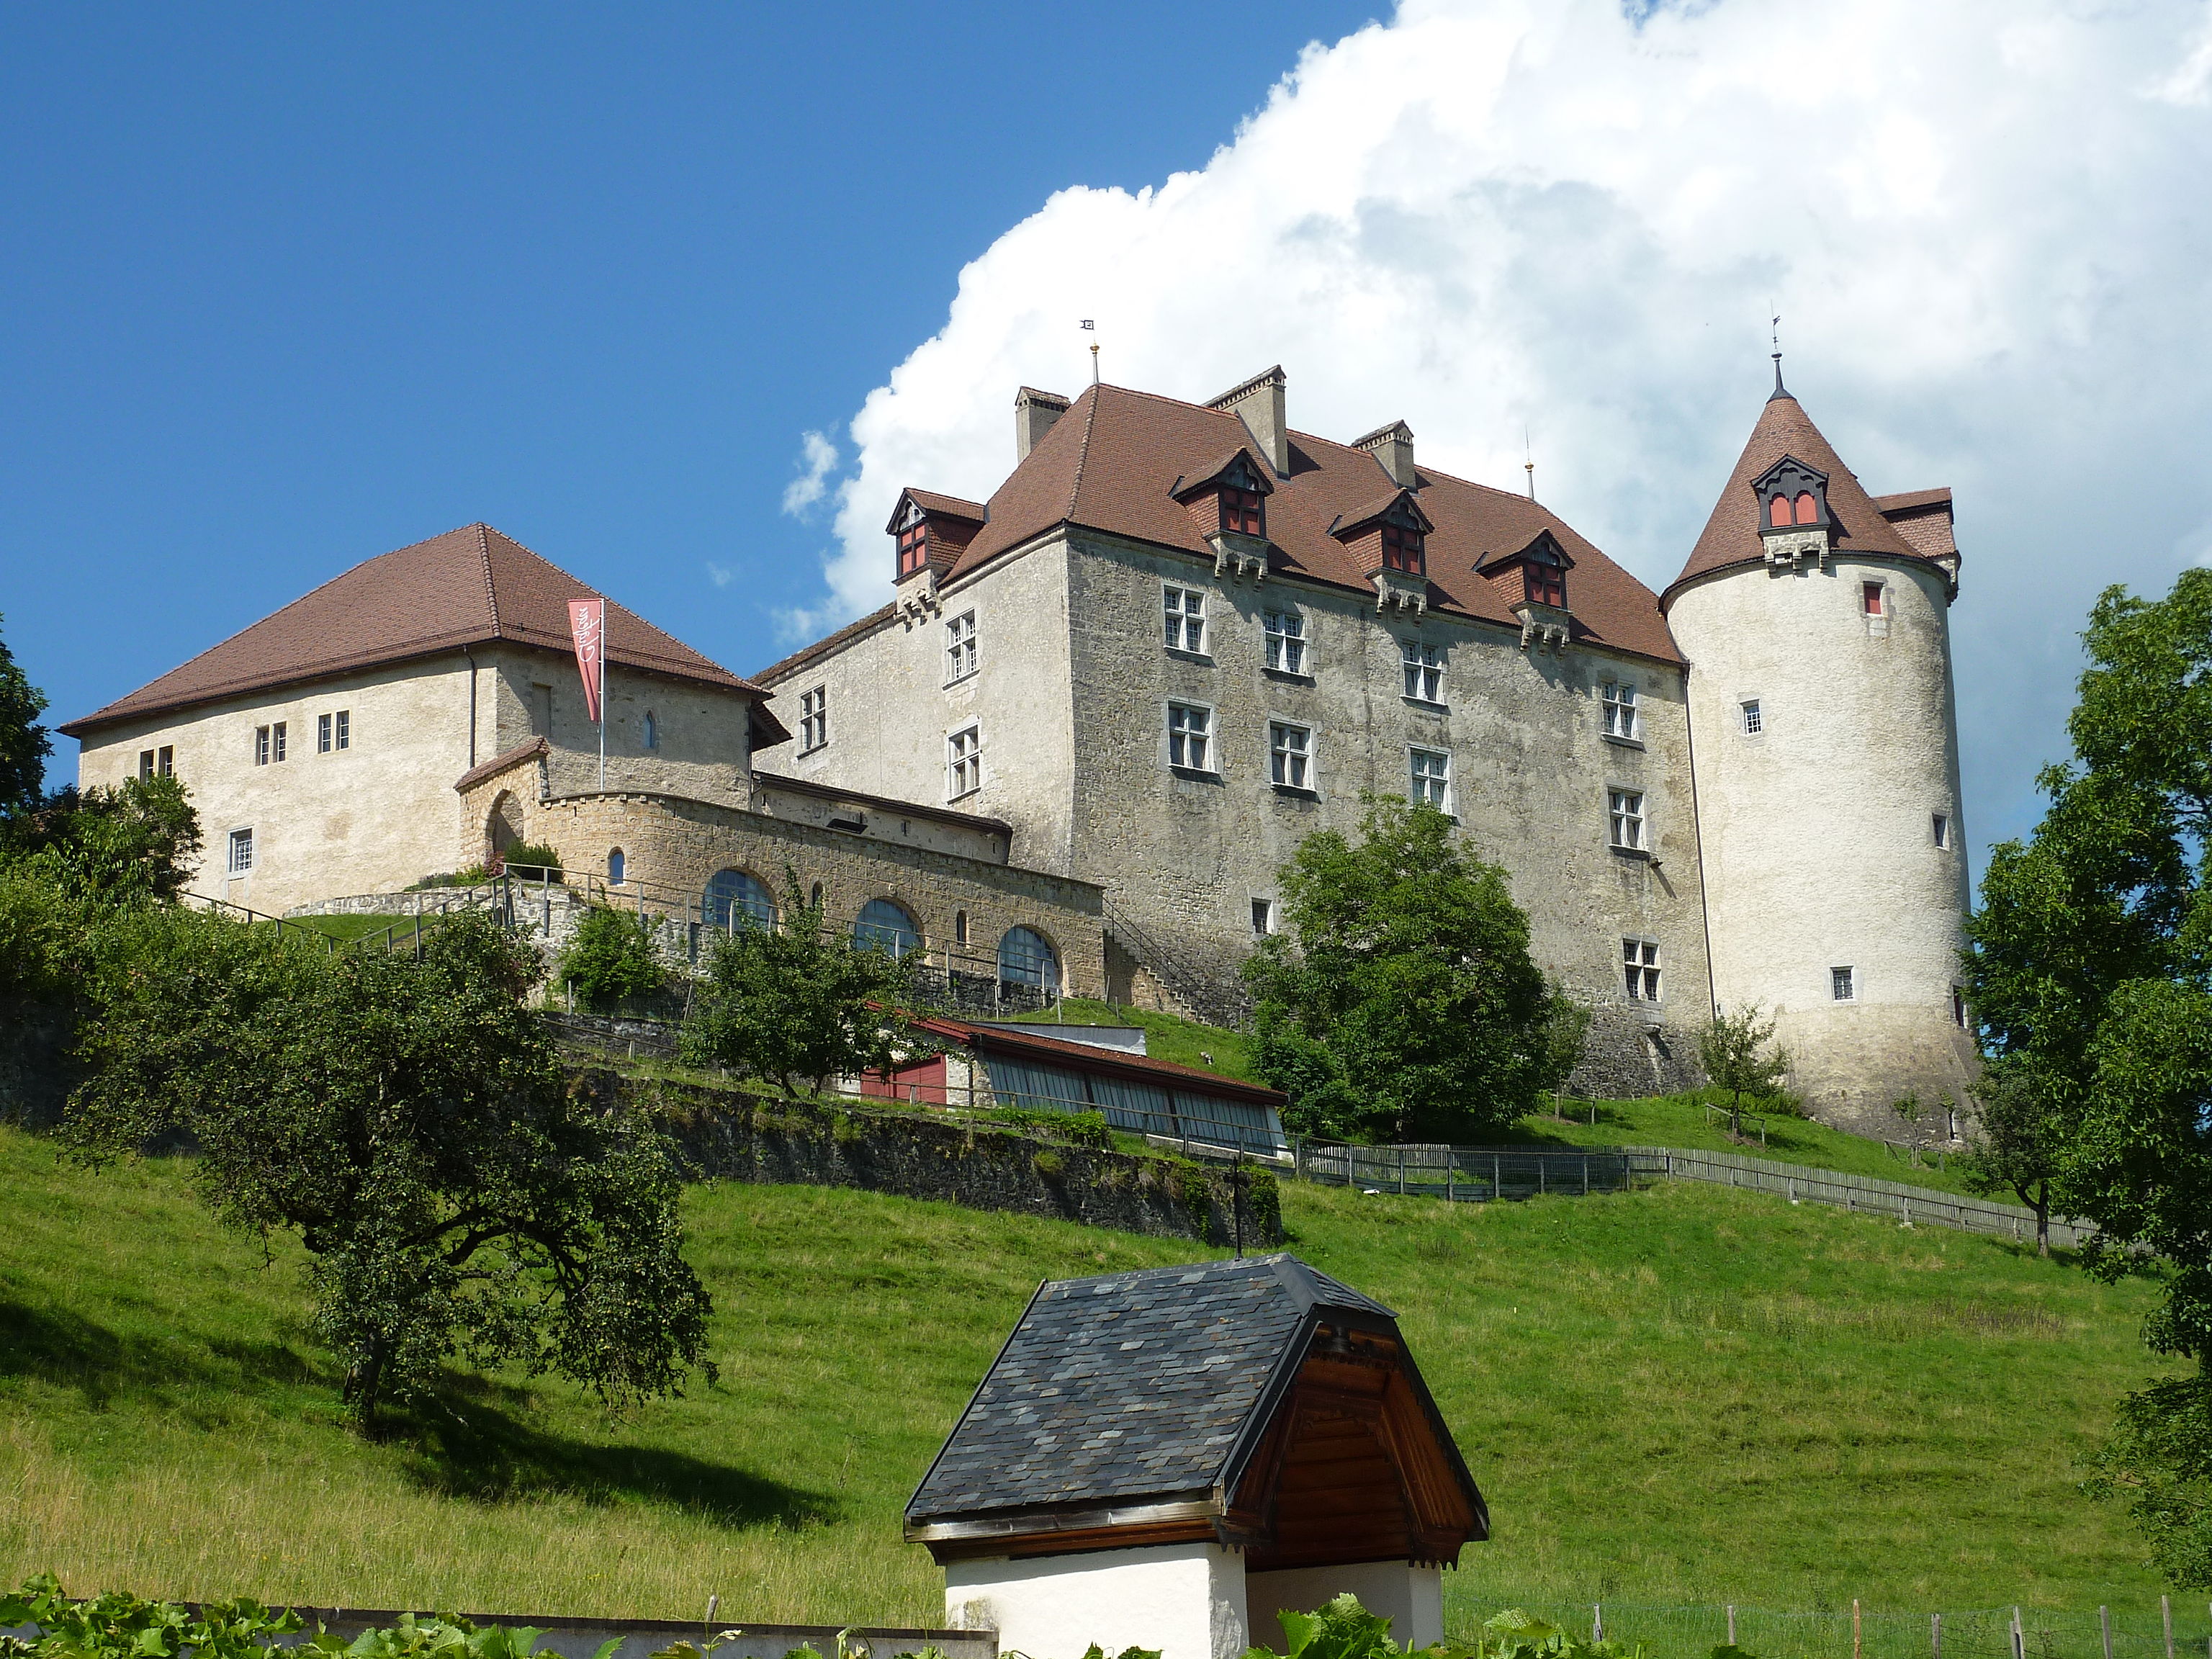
2140	1631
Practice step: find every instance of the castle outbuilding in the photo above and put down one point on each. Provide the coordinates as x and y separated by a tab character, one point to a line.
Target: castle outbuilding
1167	1458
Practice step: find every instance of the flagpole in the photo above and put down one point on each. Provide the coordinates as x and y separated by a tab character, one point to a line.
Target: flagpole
603	696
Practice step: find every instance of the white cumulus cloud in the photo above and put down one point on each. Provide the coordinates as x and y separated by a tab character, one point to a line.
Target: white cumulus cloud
1984	223
817	460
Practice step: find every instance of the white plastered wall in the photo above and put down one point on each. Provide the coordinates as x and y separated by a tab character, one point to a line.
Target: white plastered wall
1185	1600
1411	1597
1819	830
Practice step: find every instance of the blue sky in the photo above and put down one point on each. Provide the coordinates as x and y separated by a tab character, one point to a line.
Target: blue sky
288	287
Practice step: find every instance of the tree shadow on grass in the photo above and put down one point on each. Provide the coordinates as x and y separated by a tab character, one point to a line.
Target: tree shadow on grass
471	1441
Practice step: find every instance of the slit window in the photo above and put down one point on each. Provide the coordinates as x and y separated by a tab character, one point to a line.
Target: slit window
1289	756
1940	826
1185	614
1958	1008
1190	736
1263	915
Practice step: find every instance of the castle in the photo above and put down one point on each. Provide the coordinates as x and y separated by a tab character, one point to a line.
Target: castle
1103	708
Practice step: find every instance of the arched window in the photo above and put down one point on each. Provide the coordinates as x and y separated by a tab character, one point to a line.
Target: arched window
1778	512
736	900
814	896
652	731
1808	510
960	927
1026	957
614	864
887	927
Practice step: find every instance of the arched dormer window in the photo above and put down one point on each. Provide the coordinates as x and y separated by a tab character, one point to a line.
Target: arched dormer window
1791	497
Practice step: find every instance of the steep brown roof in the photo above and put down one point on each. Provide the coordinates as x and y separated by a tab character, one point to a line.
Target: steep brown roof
1731	535
1923	517
1109	462
468	586
951	506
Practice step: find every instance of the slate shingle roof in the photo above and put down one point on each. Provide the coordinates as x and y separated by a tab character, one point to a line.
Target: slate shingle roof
1132	1386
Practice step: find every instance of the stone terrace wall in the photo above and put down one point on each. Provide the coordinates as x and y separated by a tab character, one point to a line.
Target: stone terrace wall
729	1136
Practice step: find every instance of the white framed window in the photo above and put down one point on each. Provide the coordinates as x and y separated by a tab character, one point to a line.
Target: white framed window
1290	755
1939	825
1263	915
1617	701
1432	778
1639	967
145	765
1424	671
960	647
813	719
344	738
166	765
1843	985
652	731
241	852
1753	721
1287	641
963	762
261	745
1185	617
1625	807
1190	736
322	734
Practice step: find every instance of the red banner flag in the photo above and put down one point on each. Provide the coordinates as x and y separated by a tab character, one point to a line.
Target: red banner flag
588	623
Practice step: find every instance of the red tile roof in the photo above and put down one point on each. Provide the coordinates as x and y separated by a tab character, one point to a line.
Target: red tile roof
1731	535
468	586
1109	465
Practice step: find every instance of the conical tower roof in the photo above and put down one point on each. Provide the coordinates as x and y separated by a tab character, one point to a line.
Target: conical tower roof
1731	536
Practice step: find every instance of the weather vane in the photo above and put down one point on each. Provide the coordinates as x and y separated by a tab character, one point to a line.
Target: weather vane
1530	451
1090	325
1775	324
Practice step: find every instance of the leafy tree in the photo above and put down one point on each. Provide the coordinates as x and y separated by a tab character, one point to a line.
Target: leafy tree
412	1124
24	745
2020	1139
133	844
1733	1049
1566	1035
799	1003
2089	969
1400	1003
611	957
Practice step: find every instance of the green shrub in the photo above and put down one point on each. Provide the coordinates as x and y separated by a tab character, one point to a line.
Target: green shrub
1077	1128
475	875
611	957
534	856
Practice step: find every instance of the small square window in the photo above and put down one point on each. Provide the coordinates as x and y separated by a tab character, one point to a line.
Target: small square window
963	762
960	647
1625	807
241	852
1842	985
322	734
813	719
1940	826
1289	756
1263	915
1639	968
145	765
1617	699
344	739
1190	736
1753	721
1185	615
261	745
1287	641
1432	778
1424	671
1870	596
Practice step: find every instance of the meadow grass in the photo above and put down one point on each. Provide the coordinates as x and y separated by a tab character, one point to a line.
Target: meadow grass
1683	1394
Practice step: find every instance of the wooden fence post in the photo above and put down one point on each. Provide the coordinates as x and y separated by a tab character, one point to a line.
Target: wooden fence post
1855	1627
2105	1624
2019	1637
1597	1621
1731	1616
1935	1635
2166	1618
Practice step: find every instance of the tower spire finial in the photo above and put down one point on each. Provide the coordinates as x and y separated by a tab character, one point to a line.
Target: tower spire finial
1529	450
1780	391
1091	326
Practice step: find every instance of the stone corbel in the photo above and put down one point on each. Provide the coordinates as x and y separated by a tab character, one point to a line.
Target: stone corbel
1395	590
917	598
1792	550
1237	555
1544	628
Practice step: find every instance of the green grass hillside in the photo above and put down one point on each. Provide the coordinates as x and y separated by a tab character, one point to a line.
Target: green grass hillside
1683	1394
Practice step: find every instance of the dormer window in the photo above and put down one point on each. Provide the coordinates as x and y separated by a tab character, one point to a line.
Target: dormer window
913	543
1544	578
1405	548
1242	511
1231	499
1791	497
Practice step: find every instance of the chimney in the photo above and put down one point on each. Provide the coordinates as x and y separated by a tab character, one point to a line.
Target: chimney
1258	404
1393	446
1033	413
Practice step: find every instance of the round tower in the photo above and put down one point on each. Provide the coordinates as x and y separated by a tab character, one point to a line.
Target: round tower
1816	621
